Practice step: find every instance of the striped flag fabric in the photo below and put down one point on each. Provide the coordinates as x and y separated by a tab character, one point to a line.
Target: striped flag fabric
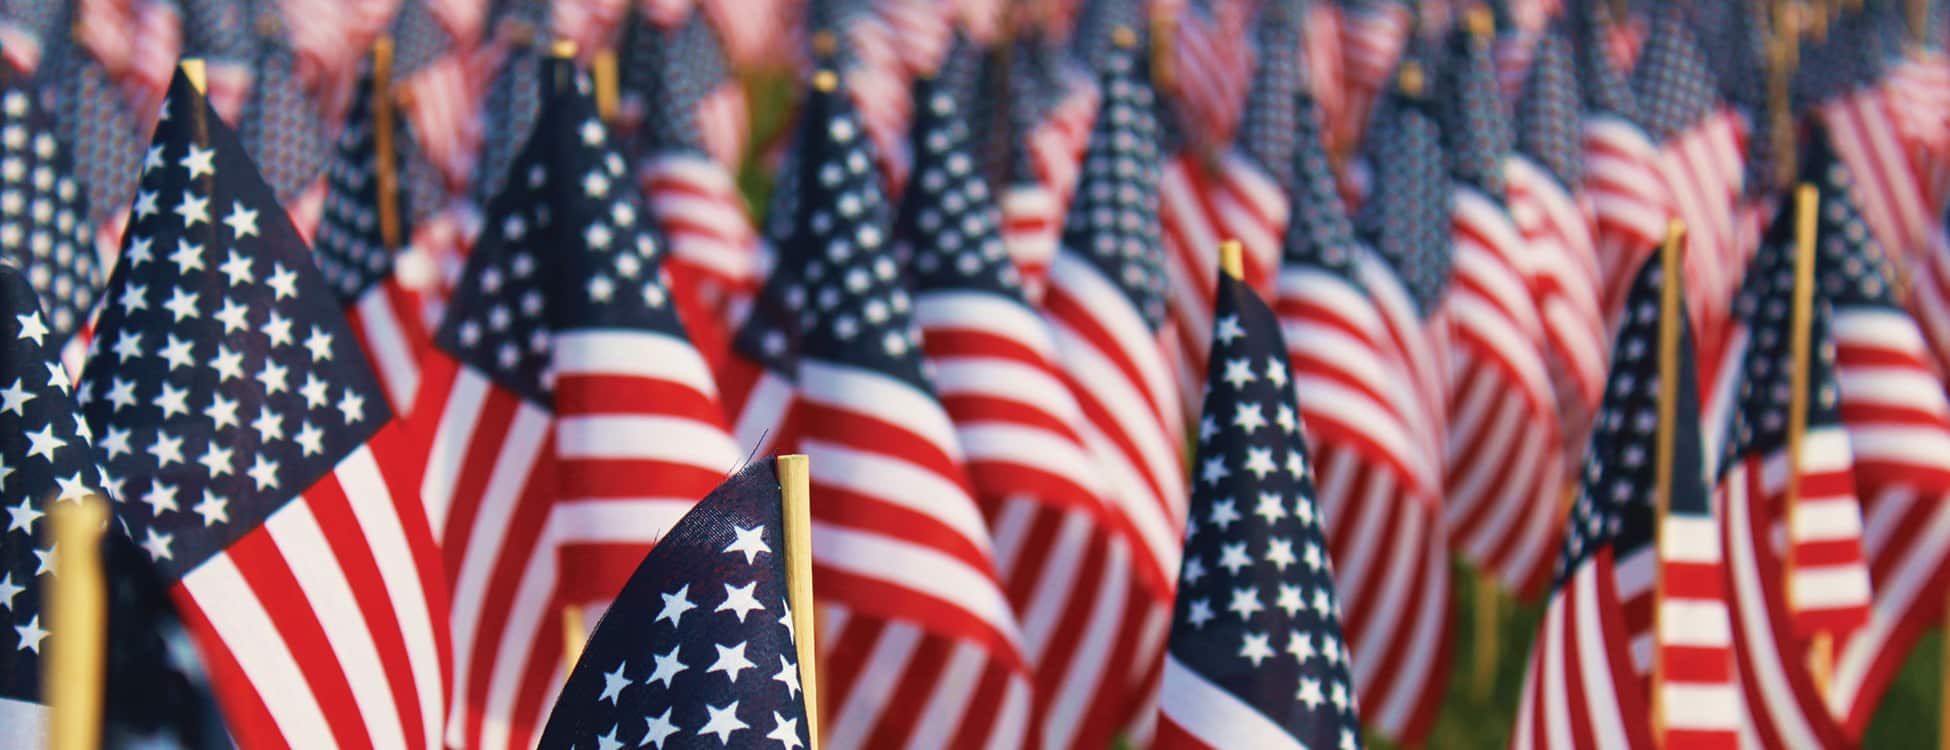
1216	67
26	28
1106	312
1628	201
1504	463
260	467
1897	418
1552	212
699	646
46	227
1584	686
920	644
1256	657
1374	34
565	418
353	250
439	89
1050	121
1396	621
1237	192
1064	564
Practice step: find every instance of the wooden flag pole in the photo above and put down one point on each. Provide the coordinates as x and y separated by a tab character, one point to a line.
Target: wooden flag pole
1232	259
1671	269
77	608
193	69
1806	205
385	165
1164	51
575	635
795	491
603	72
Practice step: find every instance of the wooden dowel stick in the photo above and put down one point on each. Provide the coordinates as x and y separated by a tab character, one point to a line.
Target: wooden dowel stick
73	677
1671	269
795	491
385	164
1232	259
603	72
1806	207
575	635
193	69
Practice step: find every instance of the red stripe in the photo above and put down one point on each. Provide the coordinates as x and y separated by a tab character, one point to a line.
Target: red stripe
267	572
243	704
341	529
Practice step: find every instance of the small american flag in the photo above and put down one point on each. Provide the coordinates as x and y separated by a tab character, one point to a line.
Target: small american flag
258	463
284	132
104	134
1628	200
1215	64
436	73
568	420
698	648
1373	35
1256	657
353	253
45	224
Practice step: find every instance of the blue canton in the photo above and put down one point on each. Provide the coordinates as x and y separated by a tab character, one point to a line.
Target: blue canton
45	224
1113	218
1474	130
350	249
1318	231
1406	216
1549	123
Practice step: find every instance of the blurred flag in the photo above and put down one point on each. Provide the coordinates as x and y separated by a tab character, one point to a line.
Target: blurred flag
1215	64
699	645
223	33
1628	199
439	84
46	228
1051	106
28	27
283	131
261	467
1504	457
1256	657
1373	35
569	422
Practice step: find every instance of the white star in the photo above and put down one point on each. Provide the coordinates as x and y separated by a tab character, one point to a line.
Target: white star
1312	556
1339	696
1269	507
1199	613
675	605
1214	470
157	545
31	327
731	661
740	600
177	351
1276	371
608	741
1289	600
1296	466
591	132
1232	557
1239	372
44	443
750	541
1310	693
1259	461
1248	418
1279	552
601	289
310	438
660	729
31	635
242	221
352	407
595	185
269	426
167	450
22	517
216	459
274	377
15	399
44	561
187	257
1348	742
786	731
134	298
160	498
234	316
319	344
788	674
1229	329
283	281
1299	644
278	329
1323	601
9	590
199	161
722	723
193	209
153	159
1245	601
785	619
228	365
139	251
1303	509
1224	512
1194	570
1207	427
314	391
1285	419
237	268
145	204
667	669
182	304
1256	647
213	508
72	488
264	472
613	684
121	393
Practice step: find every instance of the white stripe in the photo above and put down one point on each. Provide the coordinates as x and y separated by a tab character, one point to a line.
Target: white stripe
373	506
1055	583
1827	519
451	440
984	313
390	351
618	520
1713	707
1896	594
1778	707
677	440
1920	446
1134	500
1214	716
1556	688
918	568
22	724
533	592
1893	330
320	576
953	691
1008	380
1594	664
1419	662
897	482
1032	448
1897	387
873	689
1010	529
757	426
1090	664
1690	540
1110	310
246	631
1011	722
1693	622
1813	587
877	396
644	354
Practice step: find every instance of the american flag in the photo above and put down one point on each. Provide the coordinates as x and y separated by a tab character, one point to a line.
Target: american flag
223	33
439	78
707	608
1373	35
27	27
507	112
692	134
1215	66
1504	462
1062	563
1256	657
1106	309
1321	45
1239	193
1548	202
920	644
1628	200
1784	705
354	251
45	224
568	421
1898	424
1583	687
1396	593
103	131
284	133
1698	163
258	462
1051	108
